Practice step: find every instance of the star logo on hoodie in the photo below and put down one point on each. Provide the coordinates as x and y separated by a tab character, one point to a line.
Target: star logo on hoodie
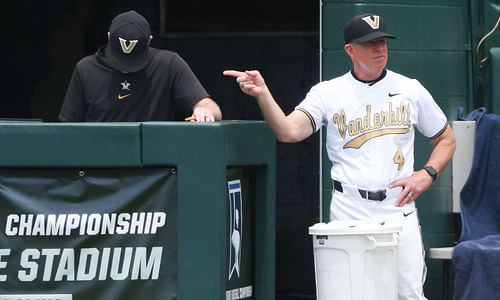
125	86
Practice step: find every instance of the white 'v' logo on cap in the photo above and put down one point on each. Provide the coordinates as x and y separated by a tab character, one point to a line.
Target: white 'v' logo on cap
131	44
372	21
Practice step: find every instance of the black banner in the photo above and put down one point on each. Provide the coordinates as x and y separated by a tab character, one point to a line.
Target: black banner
241	269
88	234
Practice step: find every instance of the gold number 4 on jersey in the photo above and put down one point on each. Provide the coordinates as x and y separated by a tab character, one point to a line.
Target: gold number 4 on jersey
399	158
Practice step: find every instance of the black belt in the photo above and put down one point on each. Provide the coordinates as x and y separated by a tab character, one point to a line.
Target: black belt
375	196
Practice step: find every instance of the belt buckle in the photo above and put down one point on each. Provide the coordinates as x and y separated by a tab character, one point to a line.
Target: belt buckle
364	194
373	196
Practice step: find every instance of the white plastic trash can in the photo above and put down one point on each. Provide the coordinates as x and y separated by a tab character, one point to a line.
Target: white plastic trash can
355	260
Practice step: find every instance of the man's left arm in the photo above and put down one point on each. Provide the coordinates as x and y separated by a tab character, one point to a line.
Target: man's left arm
206	110
444	147
421	180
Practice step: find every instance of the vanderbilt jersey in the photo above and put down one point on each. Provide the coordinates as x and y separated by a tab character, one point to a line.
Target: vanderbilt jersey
370	127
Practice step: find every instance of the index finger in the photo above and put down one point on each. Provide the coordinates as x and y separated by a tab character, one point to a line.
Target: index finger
233	73
397	183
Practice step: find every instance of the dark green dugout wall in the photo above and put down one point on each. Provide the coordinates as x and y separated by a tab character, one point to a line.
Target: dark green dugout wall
204	157
434	46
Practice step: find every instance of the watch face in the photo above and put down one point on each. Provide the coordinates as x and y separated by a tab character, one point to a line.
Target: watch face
431	172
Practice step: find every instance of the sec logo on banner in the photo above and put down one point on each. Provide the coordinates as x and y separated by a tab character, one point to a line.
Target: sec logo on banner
236	230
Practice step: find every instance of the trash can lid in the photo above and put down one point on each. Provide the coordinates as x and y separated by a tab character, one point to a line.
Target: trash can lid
349	227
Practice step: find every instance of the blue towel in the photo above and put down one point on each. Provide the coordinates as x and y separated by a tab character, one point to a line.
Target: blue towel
477	271
477	256
480	196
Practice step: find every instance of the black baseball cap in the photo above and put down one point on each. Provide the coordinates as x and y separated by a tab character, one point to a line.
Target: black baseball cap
364	28
128	48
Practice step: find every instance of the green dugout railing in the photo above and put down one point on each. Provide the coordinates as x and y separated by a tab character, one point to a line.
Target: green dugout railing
204	157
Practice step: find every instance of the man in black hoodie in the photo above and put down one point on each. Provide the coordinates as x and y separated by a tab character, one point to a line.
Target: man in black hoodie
126	80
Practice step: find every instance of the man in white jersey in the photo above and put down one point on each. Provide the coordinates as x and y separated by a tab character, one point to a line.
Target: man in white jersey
370	114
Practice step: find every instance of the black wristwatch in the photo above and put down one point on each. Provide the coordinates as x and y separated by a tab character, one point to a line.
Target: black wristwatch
432	172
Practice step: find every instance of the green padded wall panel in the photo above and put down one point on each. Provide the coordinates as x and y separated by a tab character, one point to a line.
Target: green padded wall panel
202	154
495	80
70	144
